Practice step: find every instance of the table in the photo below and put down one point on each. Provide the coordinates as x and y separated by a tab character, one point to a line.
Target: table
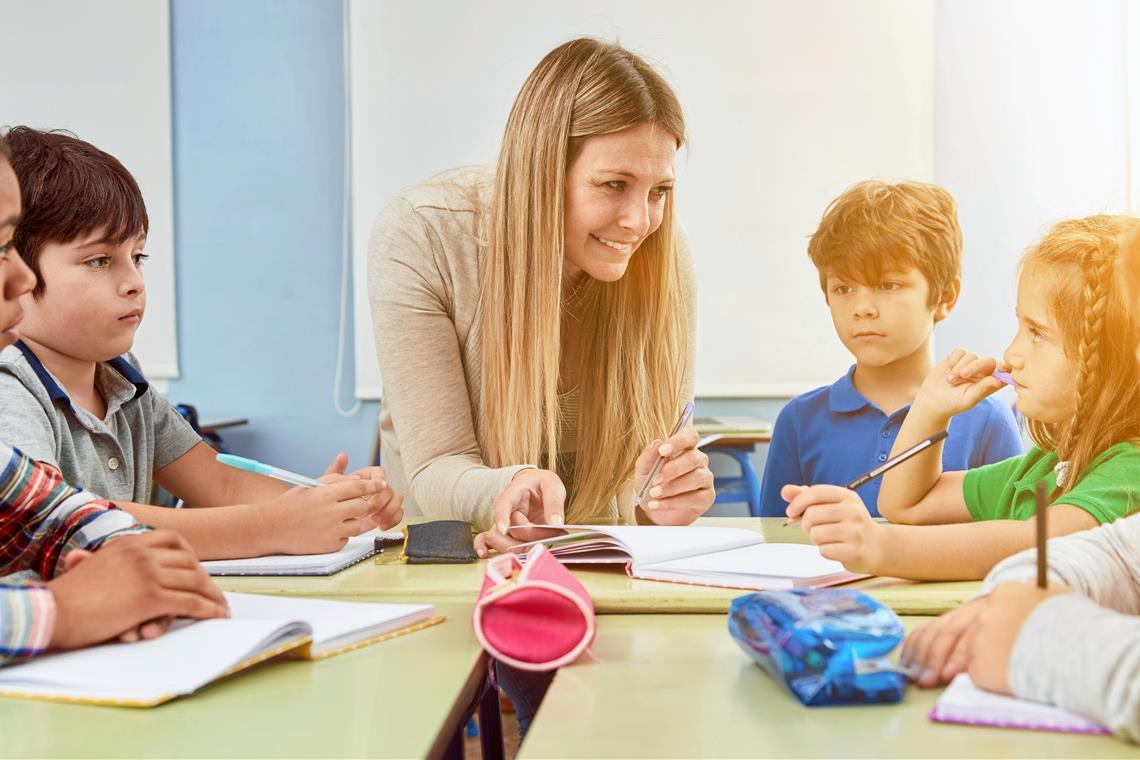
406	697
679	686
613	591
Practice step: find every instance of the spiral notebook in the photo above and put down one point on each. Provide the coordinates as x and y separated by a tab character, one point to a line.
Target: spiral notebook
963	702
356	549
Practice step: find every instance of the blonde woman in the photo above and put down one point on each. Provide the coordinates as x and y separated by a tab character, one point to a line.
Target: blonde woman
534	320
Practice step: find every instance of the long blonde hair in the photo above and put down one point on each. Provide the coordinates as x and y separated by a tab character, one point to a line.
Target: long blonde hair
1079	259
635	347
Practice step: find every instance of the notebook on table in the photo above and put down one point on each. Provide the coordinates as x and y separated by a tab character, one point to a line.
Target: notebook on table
963	702
698	555
728	425
358	548
192	654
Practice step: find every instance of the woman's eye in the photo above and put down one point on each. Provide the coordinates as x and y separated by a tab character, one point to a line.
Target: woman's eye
661	193
616	184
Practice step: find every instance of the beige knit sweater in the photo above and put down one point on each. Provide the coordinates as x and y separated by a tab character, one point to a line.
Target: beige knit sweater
424	263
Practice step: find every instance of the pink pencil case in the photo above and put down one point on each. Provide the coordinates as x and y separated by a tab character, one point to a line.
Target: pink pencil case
537	617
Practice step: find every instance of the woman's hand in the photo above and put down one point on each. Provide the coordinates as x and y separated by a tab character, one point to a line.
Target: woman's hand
533	497
958	383
682	490
838	522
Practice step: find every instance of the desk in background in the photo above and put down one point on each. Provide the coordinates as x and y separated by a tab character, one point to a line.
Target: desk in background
679	686
613	591
406	697
737	438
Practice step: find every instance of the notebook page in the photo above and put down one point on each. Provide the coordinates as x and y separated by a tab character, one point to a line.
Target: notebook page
651	544
186	657
793	561
294	564
333	623
963	702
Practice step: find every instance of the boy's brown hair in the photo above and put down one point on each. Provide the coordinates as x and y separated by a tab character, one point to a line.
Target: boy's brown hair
875	227
70	189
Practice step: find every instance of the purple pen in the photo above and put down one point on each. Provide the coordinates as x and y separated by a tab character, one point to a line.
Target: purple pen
1005	377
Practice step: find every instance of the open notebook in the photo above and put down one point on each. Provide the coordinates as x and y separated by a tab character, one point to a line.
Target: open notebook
358	548
704	556
194	653
963	702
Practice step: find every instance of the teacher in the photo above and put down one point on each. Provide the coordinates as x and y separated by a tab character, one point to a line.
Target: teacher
534	319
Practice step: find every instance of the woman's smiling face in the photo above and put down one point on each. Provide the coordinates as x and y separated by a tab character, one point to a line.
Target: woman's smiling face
616	189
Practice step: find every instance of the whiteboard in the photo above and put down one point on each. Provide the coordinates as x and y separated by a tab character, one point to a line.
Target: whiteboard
102	70
787	104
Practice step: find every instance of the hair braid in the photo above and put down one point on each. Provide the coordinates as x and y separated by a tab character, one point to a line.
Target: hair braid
1098	269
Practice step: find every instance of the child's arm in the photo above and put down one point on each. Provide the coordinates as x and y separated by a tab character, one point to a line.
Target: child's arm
1102	564
300	521
917	492
838	522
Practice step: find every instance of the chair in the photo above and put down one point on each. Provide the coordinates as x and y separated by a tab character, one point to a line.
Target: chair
744	487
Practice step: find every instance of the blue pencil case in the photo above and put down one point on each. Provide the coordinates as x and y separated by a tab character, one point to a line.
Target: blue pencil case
828	646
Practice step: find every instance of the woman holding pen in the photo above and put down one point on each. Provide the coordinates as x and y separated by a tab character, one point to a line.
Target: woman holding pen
534	319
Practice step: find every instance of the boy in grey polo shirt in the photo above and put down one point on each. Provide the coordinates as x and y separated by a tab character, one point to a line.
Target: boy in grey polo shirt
74	398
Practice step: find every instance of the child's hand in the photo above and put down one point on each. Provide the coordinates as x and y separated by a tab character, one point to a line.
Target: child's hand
319	520
1005	610
838	522
939	650
682	490
958	383
388	507
133	586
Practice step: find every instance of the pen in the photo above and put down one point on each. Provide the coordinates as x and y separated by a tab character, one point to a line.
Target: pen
919	447
252	465
686	414
1042	538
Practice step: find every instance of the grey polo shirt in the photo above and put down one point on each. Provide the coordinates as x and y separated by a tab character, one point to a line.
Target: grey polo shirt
114	457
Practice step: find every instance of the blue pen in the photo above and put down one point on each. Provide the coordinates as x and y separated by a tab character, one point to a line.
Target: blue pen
252	465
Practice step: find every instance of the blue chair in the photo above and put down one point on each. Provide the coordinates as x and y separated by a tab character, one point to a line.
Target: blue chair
743	487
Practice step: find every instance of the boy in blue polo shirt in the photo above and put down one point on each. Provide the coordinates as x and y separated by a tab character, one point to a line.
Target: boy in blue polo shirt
889	258
74	398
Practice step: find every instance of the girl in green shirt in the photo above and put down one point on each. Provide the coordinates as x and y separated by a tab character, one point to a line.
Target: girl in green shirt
1073	365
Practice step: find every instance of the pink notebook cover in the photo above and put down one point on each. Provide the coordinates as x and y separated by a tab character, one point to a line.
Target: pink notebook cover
963	702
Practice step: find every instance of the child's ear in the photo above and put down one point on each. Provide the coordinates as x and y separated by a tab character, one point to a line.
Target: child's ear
947	299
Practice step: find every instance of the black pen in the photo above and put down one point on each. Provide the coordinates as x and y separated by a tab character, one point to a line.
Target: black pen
917	448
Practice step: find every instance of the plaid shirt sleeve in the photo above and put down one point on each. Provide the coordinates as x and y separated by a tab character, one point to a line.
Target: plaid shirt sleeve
41	519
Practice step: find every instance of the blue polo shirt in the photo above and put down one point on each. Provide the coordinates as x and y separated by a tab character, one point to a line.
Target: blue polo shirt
834	434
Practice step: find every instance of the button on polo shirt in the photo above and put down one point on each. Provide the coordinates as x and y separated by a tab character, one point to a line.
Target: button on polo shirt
114	457
834	434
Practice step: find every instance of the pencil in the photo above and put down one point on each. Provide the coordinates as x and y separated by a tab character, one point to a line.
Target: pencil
1042	538
867	477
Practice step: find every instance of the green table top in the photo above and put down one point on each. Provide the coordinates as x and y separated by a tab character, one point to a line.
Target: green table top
679	686
400	698
613	591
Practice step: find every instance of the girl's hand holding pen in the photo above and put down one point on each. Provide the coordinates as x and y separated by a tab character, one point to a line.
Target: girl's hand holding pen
837	521
682	489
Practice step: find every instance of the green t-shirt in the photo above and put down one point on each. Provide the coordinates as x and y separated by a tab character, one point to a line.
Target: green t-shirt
1004	490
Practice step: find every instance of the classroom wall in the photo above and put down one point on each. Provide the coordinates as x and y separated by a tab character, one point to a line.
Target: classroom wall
258	140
